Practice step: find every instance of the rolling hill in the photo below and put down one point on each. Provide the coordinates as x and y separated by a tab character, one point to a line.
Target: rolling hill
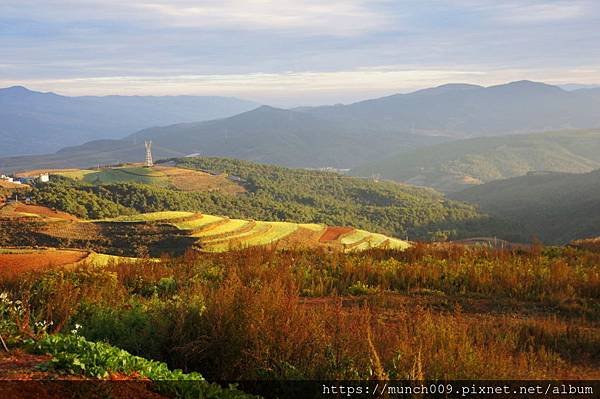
34	123
163	176
154	233
463	163
555	207
346	136
277	194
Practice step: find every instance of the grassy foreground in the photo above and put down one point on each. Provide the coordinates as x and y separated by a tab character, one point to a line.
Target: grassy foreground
434	312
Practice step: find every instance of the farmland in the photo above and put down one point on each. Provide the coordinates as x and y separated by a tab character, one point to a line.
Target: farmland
218	234
14	261
150	234
158	176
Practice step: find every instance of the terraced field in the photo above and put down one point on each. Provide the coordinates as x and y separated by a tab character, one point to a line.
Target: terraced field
21	210
218	234
14	261
172	232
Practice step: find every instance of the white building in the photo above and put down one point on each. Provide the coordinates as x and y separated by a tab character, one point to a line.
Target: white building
44	178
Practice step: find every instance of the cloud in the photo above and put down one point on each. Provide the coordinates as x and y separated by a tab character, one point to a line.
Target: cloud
541	12
322	17
307	87
316	17
348	48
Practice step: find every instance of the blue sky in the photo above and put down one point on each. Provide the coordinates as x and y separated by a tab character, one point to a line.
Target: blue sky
293	52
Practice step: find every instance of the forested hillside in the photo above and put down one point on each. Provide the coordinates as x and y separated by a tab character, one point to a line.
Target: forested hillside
277	193
459	164
556	207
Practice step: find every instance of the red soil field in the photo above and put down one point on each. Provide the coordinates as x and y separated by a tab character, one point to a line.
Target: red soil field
43	211
333	233
16	263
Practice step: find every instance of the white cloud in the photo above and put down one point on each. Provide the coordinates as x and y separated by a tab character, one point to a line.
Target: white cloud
296	88
550	12
331	17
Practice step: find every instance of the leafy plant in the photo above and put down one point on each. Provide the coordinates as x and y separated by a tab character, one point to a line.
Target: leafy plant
73	354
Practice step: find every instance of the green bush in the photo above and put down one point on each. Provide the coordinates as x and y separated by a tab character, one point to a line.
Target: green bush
75	355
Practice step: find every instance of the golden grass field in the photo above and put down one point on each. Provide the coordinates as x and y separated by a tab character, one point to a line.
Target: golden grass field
163	176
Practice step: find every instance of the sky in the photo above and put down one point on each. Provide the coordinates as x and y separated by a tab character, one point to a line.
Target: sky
293	52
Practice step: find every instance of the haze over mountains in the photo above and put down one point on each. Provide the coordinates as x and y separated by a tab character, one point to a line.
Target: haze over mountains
347	136
35	123
458	164
554	207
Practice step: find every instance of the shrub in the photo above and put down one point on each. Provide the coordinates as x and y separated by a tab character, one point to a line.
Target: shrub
75	355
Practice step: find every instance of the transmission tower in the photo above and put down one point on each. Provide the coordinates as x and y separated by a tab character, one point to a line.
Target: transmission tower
149	162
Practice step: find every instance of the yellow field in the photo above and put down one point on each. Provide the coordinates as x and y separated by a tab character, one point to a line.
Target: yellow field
276	231
230	226
312	226
197	222
100	260
150	217
218	234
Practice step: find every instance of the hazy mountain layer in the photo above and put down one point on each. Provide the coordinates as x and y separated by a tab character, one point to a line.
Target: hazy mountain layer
463	163
35	123
347	136
555	207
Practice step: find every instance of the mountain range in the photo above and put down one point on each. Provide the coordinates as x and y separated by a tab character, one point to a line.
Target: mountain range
35	123
463	163
347	136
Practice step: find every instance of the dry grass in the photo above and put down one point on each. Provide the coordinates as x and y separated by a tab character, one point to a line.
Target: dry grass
430	312
194	180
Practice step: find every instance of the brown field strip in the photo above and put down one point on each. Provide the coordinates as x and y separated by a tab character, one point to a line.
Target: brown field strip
16	210
334	233
17	262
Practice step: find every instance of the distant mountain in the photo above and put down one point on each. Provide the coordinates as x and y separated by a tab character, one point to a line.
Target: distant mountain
266	134
555	207
459	164
346	136
461	110
34	123
577	86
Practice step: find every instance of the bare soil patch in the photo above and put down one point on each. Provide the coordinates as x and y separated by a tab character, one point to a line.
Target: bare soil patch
21	262
333	233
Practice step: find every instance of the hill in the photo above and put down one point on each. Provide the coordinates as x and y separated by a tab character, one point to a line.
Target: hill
556	207
346	136
154	233
282	194
463	163
34	123
159	175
